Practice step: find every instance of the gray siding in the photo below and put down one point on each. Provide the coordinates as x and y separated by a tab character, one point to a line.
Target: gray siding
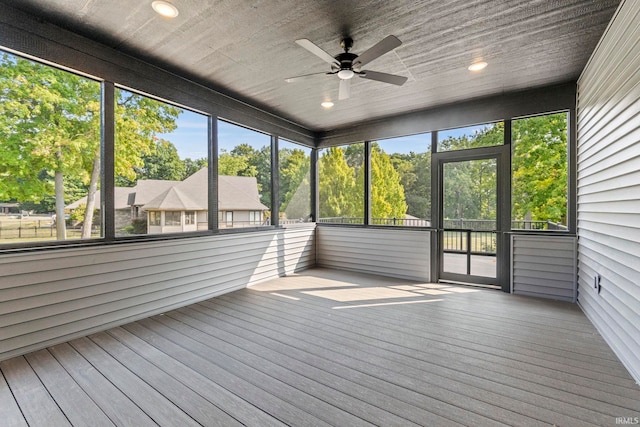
609	186
51	296
544	266
388	252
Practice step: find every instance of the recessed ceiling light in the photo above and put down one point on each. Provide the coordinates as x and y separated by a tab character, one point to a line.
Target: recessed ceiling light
165	8
327	104
477	66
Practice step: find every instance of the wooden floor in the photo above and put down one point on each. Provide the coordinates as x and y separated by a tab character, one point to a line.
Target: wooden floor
327	347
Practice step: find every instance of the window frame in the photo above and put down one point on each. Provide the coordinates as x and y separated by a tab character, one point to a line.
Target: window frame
170	218
155	218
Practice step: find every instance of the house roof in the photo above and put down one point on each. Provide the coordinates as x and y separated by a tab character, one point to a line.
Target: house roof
121	197
237	193
148	189
190	194
234	193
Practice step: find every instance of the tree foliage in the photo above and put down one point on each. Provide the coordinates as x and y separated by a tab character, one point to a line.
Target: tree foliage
539	165
50	134
295	185
163	162
387	192
414	170
49	129
338	194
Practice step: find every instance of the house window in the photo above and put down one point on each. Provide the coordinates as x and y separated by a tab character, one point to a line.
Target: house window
154	218
160	157
172	218
295	182
229	217
50	151
244	171
342	184
401	181
255	217
189	218
486	135
539	172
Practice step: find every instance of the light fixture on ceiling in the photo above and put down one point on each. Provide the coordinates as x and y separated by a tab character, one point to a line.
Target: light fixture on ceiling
477	66
346	74
164	8
327	104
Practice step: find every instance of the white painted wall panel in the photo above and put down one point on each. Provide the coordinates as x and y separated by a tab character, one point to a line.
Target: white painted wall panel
609	186
544	266
391	252
51	296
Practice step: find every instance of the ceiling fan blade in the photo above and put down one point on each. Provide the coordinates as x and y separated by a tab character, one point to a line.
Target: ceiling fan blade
313	48
305	77
344	91
383	77
383	46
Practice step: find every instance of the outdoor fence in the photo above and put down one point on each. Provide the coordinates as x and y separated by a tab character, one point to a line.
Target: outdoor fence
404	222
45	232
462	223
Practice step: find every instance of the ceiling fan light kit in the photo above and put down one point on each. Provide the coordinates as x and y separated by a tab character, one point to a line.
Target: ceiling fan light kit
346	64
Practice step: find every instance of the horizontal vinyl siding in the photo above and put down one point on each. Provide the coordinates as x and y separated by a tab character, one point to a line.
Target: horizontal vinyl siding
609	186
388	252
544	266
51	296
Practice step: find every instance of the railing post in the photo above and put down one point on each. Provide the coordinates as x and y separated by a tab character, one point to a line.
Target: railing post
468	251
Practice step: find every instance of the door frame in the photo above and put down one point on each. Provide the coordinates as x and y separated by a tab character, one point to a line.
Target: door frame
502	154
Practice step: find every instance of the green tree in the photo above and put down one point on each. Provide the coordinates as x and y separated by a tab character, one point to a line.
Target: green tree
192	166
261	161
294	173
50	134
339	194
231	165
163	163
387	192
49	122
415	176
539	165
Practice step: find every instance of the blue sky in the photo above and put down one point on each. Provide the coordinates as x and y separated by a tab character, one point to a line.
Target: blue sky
190	137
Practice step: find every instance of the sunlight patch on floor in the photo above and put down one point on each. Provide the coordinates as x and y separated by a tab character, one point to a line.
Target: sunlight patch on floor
360	294
433	292
284	296
386	303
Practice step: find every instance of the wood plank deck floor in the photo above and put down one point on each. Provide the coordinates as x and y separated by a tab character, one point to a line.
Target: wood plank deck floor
328	347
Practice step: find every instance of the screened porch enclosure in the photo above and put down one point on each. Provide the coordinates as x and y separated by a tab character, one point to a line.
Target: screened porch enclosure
188	238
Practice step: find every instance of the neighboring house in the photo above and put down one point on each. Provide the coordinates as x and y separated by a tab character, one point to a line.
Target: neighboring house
123	211
177	206
9	208
239	202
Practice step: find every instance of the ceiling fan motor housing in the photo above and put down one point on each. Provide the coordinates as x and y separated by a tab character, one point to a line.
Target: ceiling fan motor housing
346	60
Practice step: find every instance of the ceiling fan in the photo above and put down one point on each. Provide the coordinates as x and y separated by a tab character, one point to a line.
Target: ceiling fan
346	65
